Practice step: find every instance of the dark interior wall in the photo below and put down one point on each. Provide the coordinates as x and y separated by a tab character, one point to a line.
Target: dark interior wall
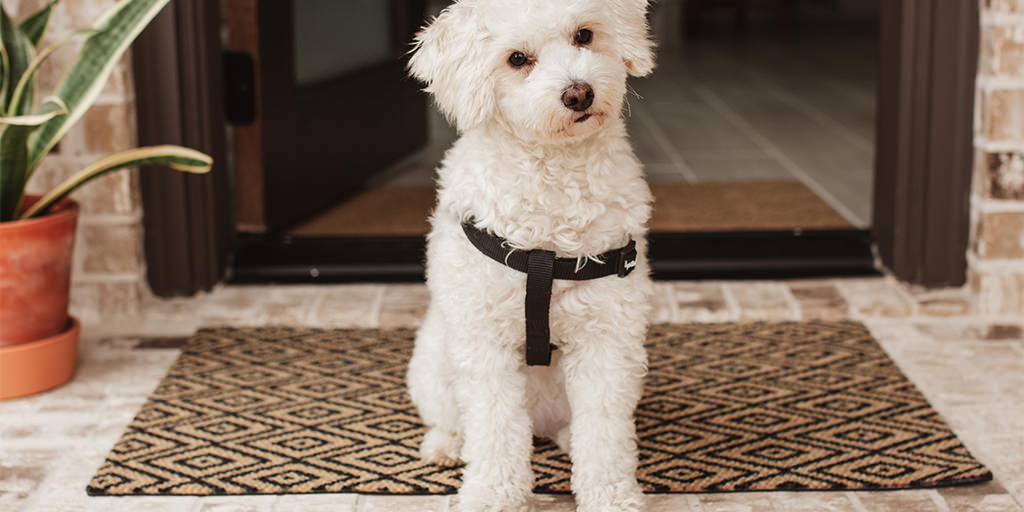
766	15
850	10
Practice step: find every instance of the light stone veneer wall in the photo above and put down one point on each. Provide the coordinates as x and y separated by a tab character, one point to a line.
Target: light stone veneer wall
109	274
996	254
108	279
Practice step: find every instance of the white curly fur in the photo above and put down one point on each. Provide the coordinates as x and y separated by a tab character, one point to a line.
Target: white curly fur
523	168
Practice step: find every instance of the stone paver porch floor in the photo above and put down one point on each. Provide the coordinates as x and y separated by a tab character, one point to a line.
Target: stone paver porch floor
970	367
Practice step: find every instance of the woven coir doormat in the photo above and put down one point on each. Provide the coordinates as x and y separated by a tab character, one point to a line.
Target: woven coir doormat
759	406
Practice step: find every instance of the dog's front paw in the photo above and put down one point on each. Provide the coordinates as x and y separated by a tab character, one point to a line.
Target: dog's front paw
441	447
503	497
620	497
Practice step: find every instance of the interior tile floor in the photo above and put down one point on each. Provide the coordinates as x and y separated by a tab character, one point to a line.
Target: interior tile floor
970	367
742	110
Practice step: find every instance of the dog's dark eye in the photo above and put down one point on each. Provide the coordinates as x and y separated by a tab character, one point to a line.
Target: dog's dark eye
517	59
584	36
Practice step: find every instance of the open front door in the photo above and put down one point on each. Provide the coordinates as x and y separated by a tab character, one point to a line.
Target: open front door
332	103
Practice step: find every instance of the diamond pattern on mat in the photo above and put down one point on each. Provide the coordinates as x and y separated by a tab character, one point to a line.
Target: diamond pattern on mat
757	406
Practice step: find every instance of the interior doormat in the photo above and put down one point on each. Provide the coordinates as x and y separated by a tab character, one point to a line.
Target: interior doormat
726	407
762	205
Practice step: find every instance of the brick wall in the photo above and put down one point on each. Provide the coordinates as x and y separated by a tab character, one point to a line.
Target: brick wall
996	254
108	279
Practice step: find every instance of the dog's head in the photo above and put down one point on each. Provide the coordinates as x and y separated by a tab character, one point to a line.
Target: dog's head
546	70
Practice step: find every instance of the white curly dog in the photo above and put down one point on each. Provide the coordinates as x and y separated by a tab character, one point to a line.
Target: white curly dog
536	89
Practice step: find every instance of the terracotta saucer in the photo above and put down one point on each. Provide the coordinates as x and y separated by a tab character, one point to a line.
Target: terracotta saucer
37	366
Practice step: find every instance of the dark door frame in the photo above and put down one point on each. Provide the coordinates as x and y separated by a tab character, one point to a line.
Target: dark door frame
925	138
928	66
188	219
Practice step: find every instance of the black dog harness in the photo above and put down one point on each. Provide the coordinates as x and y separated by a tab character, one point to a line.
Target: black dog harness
541	268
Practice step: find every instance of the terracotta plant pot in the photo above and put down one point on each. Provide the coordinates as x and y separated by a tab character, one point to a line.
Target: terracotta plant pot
35	274
38	340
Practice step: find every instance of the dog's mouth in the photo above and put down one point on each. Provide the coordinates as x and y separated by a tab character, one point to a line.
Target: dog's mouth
585	123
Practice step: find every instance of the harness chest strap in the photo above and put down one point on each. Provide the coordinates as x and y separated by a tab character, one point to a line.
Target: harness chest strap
542	268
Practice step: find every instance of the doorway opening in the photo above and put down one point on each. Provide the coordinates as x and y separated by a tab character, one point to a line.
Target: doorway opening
756	131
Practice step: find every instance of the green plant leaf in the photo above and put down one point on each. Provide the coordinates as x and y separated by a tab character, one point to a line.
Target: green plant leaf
175	157
51	108
14	162
6	79
20	54
34	27
83	82
31	119
14	139
29	75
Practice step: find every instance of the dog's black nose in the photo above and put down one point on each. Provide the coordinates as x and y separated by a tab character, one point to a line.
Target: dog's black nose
579	96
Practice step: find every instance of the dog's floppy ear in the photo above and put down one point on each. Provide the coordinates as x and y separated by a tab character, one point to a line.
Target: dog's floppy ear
448	58
632	30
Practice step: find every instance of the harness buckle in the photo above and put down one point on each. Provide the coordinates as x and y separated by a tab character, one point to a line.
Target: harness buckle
627	259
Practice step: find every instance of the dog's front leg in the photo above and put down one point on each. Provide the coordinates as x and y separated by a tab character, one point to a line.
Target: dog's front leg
603	381
491	388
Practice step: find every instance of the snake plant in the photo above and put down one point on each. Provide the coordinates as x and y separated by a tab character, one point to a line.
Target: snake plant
29	129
